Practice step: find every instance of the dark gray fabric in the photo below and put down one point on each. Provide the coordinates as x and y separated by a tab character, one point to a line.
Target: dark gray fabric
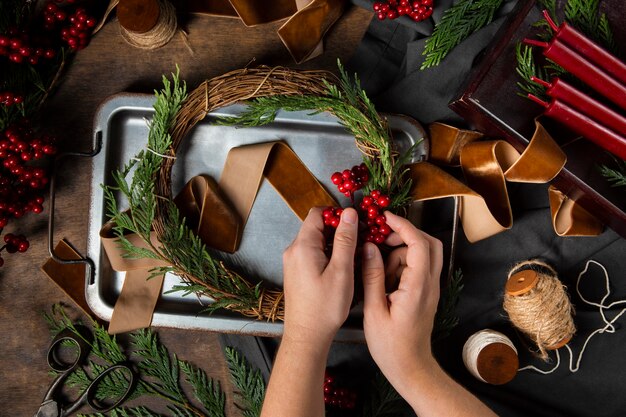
387	62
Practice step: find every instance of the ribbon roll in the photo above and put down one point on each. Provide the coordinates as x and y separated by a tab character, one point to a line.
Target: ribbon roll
217	214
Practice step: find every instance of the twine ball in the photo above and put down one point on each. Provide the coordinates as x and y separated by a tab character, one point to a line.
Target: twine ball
147	24
538	305
490	357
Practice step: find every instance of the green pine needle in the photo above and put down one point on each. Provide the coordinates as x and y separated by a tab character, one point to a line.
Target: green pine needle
457	23
615	176
248	382
383	400
159	372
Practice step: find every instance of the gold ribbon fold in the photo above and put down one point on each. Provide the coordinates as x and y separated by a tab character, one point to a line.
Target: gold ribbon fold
217	214
302	33
487	166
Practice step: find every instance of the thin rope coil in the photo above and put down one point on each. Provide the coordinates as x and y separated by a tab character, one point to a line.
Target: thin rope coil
162	32
544	313
476	343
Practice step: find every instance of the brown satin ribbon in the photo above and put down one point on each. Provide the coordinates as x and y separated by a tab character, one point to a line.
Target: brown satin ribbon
487	166
302	33
218	214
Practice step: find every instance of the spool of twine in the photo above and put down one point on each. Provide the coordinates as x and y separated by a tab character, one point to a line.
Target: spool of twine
491	357
147	24
538	305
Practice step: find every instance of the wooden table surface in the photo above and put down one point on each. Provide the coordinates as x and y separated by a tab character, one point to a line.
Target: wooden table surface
108	66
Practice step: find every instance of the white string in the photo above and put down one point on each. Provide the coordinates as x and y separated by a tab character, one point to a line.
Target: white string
608	327
159	154
476	343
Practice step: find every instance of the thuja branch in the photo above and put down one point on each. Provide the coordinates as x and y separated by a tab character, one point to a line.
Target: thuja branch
159	372
179	247
457	23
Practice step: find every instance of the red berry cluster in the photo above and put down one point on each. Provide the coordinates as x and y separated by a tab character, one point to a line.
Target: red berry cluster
332	216
350	180
19	48
337	396
14	244
21	184
8	98
374	204
78	31
417	10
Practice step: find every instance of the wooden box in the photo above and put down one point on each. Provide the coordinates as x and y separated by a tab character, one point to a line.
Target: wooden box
489	102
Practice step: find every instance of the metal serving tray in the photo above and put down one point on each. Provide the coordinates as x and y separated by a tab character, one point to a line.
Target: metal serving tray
319	140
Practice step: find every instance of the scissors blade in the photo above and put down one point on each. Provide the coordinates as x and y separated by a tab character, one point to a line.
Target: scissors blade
48	408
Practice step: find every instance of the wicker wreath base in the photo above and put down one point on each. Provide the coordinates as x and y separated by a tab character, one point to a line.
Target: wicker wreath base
231	88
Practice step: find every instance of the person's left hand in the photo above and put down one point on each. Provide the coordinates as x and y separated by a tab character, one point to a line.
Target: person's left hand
318	290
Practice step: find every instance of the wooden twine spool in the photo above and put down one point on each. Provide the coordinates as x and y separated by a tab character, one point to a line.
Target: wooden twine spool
491	357
147	24
538	304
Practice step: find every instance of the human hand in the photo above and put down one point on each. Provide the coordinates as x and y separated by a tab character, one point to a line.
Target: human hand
398	326
318	290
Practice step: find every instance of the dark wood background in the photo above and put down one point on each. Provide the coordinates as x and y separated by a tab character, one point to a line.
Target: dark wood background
106	67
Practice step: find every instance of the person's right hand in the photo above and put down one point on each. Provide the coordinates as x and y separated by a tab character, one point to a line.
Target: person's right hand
398	326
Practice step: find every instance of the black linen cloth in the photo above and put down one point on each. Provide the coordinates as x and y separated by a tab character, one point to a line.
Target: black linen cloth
387	62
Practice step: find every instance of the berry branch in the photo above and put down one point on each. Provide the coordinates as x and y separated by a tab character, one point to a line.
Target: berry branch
33	52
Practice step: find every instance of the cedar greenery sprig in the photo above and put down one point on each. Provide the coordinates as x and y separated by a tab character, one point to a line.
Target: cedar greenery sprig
180	247
458	22
160	373
615	176
248	382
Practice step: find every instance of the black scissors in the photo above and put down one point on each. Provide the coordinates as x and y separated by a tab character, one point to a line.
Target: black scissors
52	405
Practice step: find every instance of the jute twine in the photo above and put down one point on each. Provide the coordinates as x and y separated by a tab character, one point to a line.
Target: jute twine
544	313
231	88
162	32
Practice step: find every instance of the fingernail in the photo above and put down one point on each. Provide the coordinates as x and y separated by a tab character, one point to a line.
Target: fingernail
369	251
349	216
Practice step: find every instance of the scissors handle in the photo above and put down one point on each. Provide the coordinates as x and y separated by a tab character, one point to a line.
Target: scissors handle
89	396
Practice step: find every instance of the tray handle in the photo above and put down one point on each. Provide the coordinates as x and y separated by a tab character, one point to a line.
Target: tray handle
97	146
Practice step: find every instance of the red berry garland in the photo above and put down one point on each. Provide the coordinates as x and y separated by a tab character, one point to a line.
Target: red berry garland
338	396
21	184
374	204
14	244
417	10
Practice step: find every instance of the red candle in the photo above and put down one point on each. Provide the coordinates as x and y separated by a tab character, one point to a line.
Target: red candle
577	65
560	90
584	126
589	49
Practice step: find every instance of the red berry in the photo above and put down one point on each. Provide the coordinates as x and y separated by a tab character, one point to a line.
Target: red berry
375	194
381	16
383	201
334	222
380	220
383	229
9	237
349	185
328	212
384	7
336	178
23	246
379	239
392	14
368	201
376	6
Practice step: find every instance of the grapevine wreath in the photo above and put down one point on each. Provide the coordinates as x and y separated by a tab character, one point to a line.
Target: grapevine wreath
265	90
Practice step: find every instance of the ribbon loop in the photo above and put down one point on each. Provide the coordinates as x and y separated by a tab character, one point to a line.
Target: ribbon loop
487	166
